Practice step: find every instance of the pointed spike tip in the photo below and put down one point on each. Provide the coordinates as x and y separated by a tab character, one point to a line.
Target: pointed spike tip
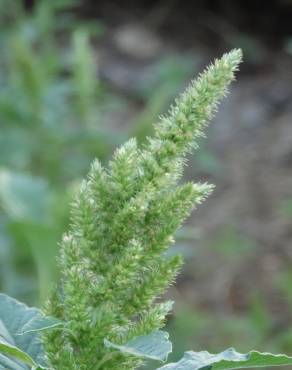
234	57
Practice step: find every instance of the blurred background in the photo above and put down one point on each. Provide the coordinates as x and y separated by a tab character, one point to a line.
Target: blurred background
77	78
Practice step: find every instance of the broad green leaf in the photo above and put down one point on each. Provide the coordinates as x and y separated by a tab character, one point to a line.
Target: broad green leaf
40	323
7	363
155	346
10	350
14	316
229	359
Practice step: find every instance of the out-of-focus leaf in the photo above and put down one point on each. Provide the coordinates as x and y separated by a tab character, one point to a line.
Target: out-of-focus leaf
24	197
14	352
41	241
19	139
14	316
229	359
40	323
155	346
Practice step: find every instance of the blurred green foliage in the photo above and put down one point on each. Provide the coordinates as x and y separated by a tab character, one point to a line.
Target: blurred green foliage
53	110
51	104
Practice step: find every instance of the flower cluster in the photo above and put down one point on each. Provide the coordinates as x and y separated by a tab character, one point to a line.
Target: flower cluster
113	263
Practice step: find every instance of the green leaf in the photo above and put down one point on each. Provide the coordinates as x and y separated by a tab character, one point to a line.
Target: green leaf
40	323
155	346
11	364
229	359
14	318
15	352
24	197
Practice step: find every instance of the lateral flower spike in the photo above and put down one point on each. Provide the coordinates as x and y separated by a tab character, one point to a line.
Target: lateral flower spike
113	264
